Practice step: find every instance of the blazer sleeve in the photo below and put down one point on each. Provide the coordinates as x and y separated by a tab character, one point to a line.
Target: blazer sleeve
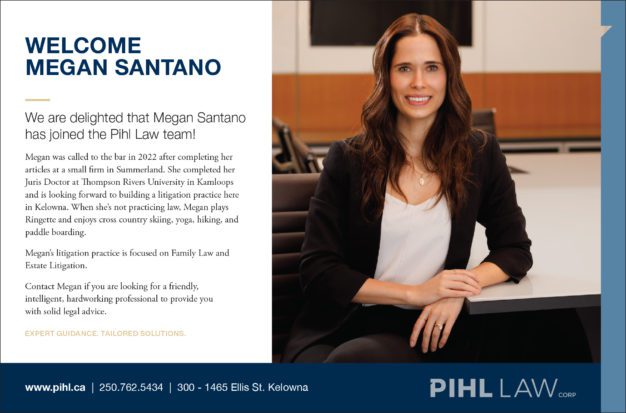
502	217
324	274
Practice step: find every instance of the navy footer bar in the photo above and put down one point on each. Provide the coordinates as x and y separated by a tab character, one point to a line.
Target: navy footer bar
385	388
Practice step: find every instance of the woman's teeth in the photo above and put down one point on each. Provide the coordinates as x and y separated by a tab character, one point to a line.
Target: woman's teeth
418	99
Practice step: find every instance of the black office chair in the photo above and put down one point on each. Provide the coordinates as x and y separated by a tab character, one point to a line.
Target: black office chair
290	206
484	119
295	156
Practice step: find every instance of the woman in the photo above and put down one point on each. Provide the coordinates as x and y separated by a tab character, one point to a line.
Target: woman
391	223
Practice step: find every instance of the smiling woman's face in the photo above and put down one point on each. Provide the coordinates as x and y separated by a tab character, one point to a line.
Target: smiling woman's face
418	79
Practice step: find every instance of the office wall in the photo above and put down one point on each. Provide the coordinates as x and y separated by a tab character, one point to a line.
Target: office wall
537	63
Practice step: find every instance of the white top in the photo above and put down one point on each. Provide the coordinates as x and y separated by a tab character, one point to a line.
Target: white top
414	240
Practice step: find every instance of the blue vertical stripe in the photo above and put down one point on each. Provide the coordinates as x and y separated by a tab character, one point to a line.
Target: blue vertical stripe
613	151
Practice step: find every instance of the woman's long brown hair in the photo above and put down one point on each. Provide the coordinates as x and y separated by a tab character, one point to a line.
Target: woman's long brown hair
446	150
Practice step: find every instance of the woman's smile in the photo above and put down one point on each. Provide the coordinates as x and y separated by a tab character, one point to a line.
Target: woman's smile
418	100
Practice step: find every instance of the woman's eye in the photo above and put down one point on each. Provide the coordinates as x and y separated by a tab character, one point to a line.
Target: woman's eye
432	68
404	69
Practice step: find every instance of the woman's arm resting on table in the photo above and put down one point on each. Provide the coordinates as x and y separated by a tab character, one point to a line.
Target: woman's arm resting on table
447	283
489	273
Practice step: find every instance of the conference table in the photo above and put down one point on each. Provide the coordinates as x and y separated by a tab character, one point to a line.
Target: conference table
559	194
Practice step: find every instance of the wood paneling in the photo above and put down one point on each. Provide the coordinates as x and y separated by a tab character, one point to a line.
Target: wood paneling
334	102
326	107
284	98
565	103
475	85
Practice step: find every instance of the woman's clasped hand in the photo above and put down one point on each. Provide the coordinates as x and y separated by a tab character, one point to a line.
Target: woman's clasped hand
444	295
435	323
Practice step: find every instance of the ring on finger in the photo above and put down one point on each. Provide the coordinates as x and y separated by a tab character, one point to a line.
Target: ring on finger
439	326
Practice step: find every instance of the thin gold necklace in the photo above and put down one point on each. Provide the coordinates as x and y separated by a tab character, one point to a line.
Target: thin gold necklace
422	177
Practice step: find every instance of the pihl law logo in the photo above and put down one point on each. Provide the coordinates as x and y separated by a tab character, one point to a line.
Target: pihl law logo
479	388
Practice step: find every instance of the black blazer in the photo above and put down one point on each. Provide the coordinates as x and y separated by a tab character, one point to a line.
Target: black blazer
340	248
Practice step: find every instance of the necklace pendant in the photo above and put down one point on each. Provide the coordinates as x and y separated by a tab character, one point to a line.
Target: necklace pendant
422	181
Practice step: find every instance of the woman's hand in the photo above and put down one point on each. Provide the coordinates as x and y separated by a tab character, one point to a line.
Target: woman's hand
446	284
436	321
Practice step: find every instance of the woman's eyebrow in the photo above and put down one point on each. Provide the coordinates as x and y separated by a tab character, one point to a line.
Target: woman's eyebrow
428	62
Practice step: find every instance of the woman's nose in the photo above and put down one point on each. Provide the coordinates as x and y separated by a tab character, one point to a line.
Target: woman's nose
417	81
